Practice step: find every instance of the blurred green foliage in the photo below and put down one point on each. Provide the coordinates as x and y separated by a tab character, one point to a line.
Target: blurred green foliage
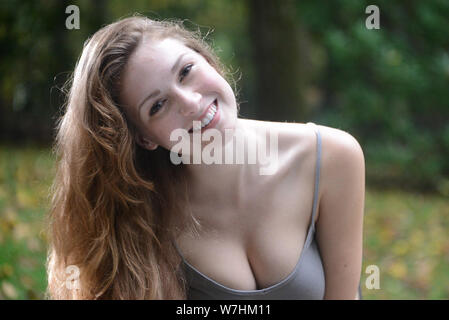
387	87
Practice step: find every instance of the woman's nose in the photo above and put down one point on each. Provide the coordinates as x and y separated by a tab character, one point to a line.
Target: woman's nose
189	102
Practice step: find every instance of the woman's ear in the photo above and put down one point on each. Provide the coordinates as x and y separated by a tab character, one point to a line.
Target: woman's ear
145	142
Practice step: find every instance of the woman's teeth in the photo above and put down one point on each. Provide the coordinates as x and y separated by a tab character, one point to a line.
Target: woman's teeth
209	116
206	119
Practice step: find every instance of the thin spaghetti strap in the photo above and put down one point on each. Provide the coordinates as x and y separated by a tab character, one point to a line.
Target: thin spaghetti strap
317	172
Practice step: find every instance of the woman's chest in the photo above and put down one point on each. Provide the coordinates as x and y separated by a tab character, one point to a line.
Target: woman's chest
256	246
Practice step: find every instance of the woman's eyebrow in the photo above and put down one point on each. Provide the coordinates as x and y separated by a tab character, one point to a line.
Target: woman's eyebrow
153	94
175	66
156	92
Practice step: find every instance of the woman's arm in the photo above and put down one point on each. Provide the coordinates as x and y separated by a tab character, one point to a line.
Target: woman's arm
339	228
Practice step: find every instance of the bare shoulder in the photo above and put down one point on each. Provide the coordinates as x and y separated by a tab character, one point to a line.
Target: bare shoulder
334	141
340	223
340	151
342	156
290	134
338	139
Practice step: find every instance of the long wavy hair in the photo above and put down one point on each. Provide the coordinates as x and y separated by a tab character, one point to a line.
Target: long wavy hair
116	207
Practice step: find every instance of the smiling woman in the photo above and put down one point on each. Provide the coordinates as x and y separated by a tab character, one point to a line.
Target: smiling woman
138	226
184	87
114	203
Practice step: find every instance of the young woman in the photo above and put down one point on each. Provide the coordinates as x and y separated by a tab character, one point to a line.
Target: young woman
137	226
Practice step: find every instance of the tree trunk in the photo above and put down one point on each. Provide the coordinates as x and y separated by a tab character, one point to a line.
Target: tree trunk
276	54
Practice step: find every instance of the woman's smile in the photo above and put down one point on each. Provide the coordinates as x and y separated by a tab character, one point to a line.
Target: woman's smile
187	90
209	118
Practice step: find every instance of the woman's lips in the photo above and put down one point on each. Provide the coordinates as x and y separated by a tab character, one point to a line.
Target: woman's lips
214	120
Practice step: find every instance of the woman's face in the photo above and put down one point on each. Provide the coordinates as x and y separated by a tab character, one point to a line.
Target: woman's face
167	86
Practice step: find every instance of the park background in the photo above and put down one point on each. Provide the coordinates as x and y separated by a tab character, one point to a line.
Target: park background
295	61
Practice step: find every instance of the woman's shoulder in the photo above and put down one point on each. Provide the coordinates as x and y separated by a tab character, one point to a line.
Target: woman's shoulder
336	144
339	149
337	139
294	133
342	160
289	134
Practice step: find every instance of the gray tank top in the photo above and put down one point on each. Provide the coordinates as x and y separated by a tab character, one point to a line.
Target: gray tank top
306	281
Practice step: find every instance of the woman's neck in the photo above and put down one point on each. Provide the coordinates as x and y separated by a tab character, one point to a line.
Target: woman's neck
226	181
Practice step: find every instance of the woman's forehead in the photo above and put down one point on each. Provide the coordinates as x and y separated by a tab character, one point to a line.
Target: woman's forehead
154	60
147	68
158	50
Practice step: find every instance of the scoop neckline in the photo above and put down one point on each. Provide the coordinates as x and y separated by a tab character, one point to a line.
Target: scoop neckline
282	282
305	247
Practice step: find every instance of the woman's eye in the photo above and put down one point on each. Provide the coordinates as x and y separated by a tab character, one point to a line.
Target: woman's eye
185	71
155	108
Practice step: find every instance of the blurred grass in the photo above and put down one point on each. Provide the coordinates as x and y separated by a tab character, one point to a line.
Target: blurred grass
405	234
25	177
